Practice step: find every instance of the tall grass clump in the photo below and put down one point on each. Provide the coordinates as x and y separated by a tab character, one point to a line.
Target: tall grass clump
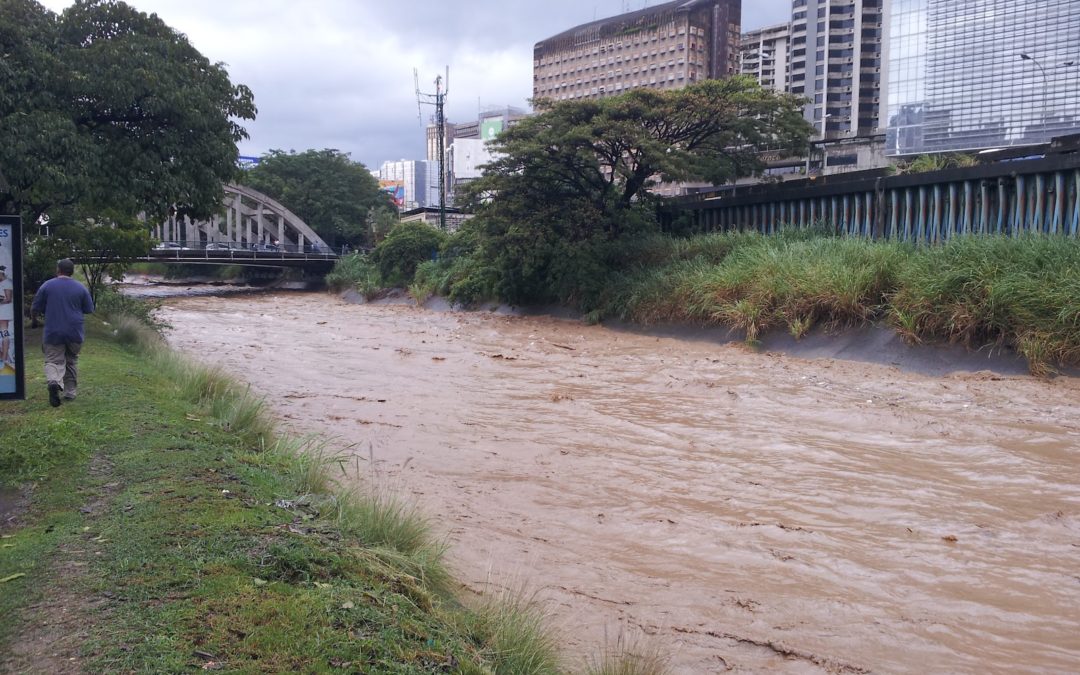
512	632
355	271
755	282
629	656
244	414
396	533
982	290
135	334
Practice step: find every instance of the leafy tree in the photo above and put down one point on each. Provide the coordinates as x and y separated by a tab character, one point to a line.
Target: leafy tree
329	191
110	109
602	156
380	222
573	180
104	247
407	245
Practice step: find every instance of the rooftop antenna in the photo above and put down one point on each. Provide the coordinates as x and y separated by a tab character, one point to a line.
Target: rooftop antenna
438	99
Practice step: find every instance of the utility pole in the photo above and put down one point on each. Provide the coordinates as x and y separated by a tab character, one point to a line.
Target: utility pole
438	99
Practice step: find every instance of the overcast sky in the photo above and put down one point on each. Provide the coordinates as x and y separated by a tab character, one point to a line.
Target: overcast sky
339	73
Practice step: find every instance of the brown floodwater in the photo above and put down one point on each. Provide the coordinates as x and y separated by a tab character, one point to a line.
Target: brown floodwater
745	511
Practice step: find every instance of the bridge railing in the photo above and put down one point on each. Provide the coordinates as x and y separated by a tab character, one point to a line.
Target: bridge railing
263	250
1038	195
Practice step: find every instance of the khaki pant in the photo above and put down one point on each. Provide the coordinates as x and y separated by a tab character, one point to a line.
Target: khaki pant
62	366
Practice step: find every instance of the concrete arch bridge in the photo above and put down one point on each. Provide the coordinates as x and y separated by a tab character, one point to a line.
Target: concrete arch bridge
251	220
253	229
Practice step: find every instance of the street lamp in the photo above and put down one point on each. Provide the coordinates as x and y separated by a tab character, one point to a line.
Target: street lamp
1046	83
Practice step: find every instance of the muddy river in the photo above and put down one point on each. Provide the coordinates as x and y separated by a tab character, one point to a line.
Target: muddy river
742	511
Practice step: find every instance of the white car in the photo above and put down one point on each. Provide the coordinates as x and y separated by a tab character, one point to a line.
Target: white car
171	246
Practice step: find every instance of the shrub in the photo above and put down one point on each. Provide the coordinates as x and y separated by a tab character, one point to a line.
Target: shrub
112	304
355	271
407	245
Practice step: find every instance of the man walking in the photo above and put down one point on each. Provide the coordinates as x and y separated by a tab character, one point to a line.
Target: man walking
63	301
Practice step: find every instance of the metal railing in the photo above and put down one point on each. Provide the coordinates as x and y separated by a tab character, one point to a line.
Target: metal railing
216	250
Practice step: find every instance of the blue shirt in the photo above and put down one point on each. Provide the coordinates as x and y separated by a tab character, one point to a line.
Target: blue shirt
63	301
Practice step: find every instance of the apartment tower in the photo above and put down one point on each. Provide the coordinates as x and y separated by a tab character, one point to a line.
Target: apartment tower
764	56
836	64
664	47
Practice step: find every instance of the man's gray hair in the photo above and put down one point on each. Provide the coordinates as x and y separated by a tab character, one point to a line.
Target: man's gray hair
65	267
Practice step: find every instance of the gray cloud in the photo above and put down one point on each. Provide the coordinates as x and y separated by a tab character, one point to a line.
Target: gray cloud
339	73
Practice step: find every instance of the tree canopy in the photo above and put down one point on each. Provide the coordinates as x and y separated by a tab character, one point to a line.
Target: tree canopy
109	109
571	186
330	192
601	157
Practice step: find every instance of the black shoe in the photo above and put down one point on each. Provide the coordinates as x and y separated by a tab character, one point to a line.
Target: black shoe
54	395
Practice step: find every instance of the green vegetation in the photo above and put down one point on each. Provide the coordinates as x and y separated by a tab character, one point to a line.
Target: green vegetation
1024	292
394	262
575	180
938	162
183	531
336	196
101	97
405	247
356	271
108	113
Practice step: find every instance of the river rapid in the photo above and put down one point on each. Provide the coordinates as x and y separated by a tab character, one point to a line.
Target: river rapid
738	510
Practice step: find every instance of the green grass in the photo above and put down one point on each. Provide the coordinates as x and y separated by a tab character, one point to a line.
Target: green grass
630	655
211	533
1022	292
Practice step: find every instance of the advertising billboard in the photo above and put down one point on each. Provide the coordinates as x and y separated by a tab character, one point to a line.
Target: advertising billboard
12	375
490	128
396	190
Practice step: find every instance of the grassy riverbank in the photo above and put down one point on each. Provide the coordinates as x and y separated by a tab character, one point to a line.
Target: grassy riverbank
168	527
1021	292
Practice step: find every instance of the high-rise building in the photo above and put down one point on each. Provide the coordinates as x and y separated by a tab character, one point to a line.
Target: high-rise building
433	140
981	74
836	63
418	178
667	46
764	55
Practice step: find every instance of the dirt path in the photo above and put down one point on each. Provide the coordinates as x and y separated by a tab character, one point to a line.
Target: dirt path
753	512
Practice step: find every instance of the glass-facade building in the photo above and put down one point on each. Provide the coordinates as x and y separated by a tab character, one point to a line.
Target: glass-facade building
980	74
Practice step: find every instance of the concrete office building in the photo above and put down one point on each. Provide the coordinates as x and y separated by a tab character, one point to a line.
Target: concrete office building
836	63
465	156
966	75
764	55
489	124
663	47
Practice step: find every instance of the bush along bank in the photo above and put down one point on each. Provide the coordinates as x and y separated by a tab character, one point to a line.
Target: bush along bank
169	527
1021	292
